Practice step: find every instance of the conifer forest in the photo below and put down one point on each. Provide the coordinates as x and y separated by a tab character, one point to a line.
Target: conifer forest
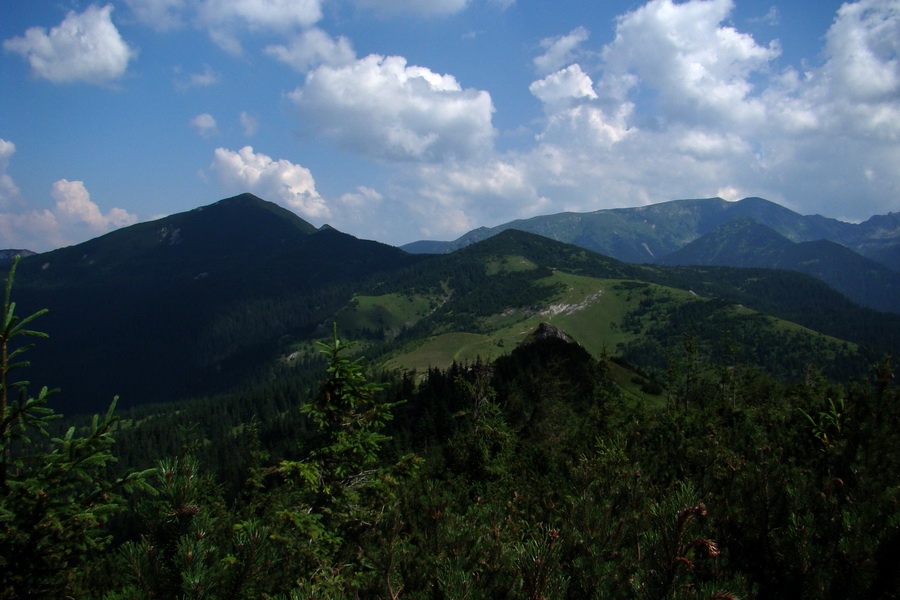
533	475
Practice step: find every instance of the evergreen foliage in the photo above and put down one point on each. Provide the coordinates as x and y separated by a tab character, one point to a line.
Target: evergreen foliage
54	493
533	476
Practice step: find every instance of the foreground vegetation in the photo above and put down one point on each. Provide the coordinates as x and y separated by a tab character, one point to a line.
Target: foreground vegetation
531	476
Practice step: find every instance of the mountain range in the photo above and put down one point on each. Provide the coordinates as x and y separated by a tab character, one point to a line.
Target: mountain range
657	233
237	292
647	233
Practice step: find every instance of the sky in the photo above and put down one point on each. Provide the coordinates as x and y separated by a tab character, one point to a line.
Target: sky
401	120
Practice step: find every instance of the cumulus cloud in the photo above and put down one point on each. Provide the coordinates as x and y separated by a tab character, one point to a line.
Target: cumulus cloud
597	146
84	47
204	124
685	105
863	68
383	108
679	103
445	201
563	86
74	206
314	47
560	51
699	68
499	186
74	218
291	184
36	230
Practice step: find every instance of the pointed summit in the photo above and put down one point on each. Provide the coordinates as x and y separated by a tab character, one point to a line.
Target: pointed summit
546	331
251	209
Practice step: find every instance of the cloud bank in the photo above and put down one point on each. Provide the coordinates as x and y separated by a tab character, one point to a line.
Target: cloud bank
680	104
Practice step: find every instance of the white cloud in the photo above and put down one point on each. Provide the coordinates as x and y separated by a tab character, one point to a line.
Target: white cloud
9	191
599	146
291	184
560	51
204	124
679	104
426	8
862	74
161	15
595	148
314	47
37	231
250	123
687	106
497	179
563	86
444	201
74	218
84	47
380	107
586	126
863	48
699	68
74	206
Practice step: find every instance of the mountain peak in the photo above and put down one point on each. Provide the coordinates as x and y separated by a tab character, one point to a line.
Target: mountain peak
546	331
244	198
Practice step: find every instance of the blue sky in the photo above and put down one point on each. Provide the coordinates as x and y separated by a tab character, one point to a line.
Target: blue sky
399	120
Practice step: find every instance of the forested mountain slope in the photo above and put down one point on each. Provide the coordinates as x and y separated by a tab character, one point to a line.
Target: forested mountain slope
746	243
192	303
483	299
226	295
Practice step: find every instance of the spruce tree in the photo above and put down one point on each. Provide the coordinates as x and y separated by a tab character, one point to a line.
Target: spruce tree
54	495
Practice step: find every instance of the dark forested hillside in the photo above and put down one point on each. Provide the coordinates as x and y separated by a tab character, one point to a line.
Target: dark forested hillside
531	476
222	297
794	297
746	243
521	419
193	303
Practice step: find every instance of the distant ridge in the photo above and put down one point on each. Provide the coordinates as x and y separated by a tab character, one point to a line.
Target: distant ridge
748	244
646	234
